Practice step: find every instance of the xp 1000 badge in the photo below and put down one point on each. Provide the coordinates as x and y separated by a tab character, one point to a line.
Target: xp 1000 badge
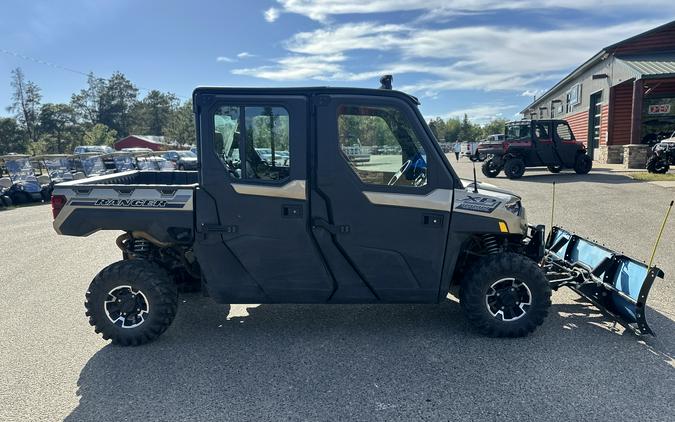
477	203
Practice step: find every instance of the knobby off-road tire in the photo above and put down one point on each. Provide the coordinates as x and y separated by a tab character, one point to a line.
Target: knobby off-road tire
514	168
131	302
519	280
490	169
583	164
656	165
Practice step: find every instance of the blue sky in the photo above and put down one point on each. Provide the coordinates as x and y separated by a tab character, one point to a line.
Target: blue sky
483	57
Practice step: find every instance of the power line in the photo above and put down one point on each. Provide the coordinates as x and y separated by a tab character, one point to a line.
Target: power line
67	69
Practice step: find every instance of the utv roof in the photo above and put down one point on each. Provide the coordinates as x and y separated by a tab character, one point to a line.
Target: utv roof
314	90
518	122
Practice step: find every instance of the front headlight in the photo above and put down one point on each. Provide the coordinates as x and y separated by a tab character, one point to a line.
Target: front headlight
514	206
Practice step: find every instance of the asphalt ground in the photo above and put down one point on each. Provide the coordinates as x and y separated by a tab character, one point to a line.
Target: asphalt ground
310	362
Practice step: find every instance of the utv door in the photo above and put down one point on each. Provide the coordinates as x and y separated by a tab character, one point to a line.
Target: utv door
381	220
254	243
544	146
565	143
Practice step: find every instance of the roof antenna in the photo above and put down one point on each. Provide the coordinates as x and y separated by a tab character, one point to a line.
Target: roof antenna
475	181
385	81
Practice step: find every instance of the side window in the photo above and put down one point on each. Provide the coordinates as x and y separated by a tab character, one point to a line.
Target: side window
563	132
381	146
541	131
259	152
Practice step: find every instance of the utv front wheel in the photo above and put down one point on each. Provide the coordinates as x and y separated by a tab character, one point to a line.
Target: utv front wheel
131	302
583	164
490	168
505	295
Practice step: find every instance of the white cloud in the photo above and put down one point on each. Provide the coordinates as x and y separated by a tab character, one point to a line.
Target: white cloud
245	55
320	10
223	59
480	114
271	14
479	57
532	92
319	67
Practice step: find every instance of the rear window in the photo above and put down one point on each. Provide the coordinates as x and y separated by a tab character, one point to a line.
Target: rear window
564	132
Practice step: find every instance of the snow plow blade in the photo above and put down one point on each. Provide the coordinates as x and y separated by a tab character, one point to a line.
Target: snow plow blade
616	284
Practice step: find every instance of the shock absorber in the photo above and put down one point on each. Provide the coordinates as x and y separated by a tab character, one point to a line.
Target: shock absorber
141	247
490	243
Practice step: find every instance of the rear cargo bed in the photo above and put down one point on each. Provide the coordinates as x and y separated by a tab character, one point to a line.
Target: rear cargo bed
159	203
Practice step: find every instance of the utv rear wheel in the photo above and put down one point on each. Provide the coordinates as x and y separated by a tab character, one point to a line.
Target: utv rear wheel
505	295
490	168
656	165
514	168
554	169
131	302
6	200
583	164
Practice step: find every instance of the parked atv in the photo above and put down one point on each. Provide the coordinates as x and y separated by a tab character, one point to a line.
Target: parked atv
57	167
23	186
535	143
663	156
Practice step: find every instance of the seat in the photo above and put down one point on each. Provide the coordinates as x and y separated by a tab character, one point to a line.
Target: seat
79	175
43	179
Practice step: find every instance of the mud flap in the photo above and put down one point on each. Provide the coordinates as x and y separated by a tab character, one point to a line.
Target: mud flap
616	284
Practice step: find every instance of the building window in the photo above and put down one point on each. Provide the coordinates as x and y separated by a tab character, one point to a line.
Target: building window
385	131
552	110
261	151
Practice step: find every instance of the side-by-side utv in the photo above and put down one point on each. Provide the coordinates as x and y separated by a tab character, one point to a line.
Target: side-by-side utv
321	228
535	143
20	181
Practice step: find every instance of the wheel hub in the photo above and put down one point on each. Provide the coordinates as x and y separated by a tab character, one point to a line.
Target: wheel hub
126	307
508	299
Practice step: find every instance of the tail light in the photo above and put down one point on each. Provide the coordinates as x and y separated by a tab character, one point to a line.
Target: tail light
58	201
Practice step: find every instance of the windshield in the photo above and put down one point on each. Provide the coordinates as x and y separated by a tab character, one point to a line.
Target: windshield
123	163
93	166
19	169
186	154
58	168
515	132
154	163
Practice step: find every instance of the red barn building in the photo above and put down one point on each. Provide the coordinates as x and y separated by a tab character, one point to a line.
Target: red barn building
621	100
155	143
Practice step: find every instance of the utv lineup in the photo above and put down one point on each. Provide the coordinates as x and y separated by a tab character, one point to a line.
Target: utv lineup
321	227
535	143
663	156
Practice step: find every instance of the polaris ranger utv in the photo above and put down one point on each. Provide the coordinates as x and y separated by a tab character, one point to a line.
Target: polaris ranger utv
319	227
535	143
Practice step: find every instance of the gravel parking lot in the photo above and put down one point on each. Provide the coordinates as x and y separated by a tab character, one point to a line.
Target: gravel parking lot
290	362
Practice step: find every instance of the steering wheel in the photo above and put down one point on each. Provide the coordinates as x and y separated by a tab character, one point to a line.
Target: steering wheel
399	173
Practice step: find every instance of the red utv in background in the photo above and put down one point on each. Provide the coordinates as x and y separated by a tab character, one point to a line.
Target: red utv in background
535	143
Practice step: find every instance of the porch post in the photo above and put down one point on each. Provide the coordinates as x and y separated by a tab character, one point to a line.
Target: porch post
636	116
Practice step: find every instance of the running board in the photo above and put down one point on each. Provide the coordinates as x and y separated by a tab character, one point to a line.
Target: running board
616	284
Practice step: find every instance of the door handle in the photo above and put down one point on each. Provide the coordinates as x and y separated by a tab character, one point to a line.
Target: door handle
435	220
291	211
332	228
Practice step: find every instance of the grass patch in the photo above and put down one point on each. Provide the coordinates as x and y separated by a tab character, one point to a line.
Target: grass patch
652	177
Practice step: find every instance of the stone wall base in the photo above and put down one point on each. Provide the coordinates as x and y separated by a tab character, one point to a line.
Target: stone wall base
635	156
631	156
